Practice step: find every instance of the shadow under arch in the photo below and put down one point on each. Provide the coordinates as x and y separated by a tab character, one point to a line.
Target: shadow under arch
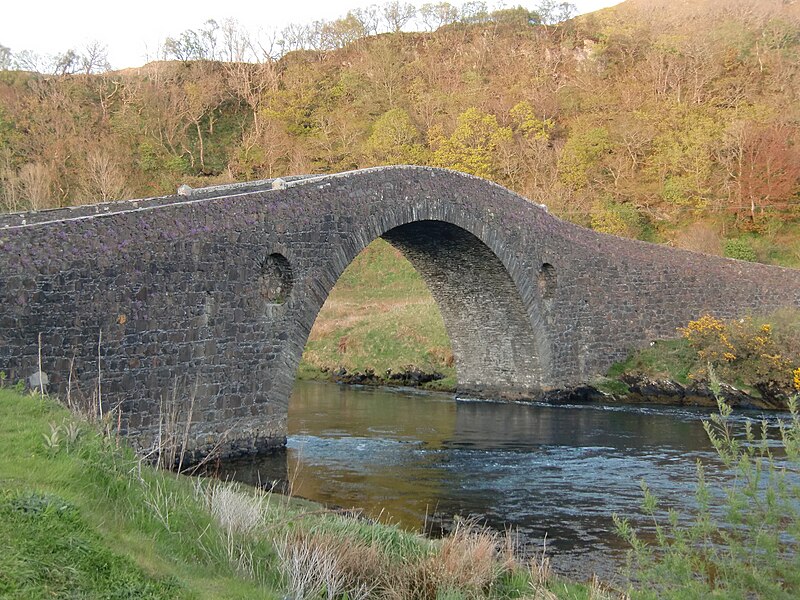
495	348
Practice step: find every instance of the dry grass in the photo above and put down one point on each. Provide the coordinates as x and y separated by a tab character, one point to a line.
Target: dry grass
466	564
240	517
236	511
320	564
468	559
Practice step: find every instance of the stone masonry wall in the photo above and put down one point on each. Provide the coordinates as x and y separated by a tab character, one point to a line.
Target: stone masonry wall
201	306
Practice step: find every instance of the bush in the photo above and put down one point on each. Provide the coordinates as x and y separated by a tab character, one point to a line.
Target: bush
740	249
741	538
749	352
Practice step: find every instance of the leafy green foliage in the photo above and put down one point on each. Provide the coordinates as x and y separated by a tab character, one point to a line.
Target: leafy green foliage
582	155
472	146
525	121
740	249
758	354
615	218
741	536
395	140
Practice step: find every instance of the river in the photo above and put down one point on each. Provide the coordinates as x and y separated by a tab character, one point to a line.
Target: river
554	473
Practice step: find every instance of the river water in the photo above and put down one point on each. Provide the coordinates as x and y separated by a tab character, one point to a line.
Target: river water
549	472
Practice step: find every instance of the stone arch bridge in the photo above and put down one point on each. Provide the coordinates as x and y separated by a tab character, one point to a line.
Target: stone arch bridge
198	306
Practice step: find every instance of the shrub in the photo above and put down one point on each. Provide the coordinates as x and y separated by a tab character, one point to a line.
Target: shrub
740	249
742	535
751	352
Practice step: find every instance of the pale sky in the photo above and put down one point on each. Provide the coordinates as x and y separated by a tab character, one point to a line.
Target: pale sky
133	30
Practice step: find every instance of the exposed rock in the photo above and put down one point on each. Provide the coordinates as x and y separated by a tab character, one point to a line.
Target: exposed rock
581	394
38	380
664	391
411	377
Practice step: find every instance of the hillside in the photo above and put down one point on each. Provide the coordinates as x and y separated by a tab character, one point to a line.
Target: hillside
673	122
638	120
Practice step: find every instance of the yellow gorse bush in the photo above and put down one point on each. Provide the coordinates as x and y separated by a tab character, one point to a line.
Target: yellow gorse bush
744	352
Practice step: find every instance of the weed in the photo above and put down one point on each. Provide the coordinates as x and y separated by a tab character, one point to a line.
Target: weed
52	441
743	537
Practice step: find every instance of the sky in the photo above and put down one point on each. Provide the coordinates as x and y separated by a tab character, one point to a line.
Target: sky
133	30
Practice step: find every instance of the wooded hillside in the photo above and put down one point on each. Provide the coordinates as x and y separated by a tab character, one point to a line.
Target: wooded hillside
669	121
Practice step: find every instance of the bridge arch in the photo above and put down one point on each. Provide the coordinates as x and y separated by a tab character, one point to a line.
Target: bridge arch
499	351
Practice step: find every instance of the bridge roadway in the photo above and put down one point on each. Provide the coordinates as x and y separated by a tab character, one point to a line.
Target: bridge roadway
197	307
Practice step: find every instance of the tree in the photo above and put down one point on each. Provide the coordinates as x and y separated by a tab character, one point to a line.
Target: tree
202	95
397	14
395	139
385	65
237	46
36	183
472	146
27	60
682	157
514	16
66	63
552	12
369	17
94	58
771	167
526	162
102	180
615	218
763	162
6	58
474	12
193	44
330	35
582	155
254	84
438	15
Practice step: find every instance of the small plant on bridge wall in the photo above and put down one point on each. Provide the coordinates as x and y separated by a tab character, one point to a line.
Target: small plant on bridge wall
760	354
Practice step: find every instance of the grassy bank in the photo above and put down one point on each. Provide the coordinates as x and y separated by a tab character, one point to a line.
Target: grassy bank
757	358
379	317
81	516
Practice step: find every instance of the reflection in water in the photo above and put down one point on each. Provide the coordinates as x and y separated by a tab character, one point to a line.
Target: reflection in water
558	471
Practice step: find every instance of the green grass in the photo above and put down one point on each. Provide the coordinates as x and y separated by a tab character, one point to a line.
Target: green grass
380	316
53	552
90	492
665	359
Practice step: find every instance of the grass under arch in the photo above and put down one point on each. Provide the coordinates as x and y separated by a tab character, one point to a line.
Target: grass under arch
82	517
380	315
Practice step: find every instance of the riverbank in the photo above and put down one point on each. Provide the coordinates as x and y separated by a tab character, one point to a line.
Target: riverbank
82	516
627	387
